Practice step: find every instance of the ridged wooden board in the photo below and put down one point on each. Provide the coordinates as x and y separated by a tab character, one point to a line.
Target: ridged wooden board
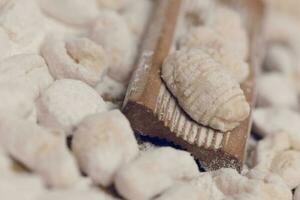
154	112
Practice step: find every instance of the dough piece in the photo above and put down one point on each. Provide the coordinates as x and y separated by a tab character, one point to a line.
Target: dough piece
40	151
153	172
102	143
265	188
111	31
77	58
204	90
66	103
287	165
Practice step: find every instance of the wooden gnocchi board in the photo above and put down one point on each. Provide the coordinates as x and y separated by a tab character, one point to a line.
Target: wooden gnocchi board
154	112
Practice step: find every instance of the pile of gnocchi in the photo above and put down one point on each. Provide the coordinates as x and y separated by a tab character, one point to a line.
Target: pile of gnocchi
64	69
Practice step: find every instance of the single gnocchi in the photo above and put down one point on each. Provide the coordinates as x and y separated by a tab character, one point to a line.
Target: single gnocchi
262	187
66	102
112	33
76	58
157	170
102	143
287	164
204	90
39	150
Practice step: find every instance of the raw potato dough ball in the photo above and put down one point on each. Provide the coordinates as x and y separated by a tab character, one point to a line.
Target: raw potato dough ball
102	143
137	15
66	102
229	24
77	58
275	89
268	148
40	151
21	186
270	185
113	4
265	176
231	183
111	31
153	172
27	70
287	166
22	21
74	12
213	44
267	121
204	90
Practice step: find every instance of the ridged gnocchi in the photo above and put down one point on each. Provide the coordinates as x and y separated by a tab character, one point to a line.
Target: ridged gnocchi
204	89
